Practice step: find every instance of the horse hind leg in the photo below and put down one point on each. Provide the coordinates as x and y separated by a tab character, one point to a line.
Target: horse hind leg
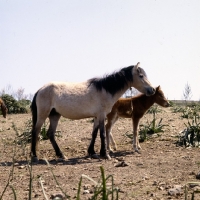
91	151
35	138
54	118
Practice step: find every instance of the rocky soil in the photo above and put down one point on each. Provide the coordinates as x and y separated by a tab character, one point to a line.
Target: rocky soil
161	171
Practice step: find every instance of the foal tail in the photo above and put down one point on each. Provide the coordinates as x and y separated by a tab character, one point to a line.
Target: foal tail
34	110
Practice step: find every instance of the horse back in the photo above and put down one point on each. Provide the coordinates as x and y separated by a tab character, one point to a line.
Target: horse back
73	100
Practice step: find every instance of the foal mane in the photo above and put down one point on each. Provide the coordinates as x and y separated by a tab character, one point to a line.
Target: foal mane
114	82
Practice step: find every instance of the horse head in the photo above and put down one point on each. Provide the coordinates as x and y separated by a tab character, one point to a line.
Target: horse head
141	82
160	98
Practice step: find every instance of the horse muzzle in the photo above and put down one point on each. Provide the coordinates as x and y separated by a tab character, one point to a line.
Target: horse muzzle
150	91
167	104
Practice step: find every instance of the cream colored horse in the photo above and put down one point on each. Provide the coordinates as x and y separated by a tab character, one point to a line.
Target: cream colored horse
93	98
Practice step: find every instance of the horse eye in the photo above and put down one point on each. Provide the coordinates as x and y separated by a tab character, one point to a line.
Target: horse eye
141	75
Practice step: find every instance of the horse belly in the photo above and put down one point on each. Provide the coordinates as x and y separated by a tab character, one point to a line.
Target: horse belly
124	111
78	111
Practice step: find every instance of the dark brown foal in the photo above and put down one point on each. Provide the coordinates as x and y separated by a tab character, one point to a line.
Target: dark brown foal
134	108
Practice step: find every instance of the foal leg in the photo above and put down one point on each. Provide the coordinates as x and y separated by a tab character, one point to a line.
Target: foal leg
91	151
110	122
136	144
54	118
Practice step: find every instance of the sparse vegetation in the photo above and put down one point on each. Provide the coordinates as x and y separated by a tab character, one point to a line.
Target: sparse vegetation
24	138
187	93
14	106
152	127
106	188
190	136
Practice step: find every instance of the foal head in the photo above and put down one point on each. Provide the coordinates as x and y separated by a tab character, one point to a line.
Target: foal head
141	82
160	98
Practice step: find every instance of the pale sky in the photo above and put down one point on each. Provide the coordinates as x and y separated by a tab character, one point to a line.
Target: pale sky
75	40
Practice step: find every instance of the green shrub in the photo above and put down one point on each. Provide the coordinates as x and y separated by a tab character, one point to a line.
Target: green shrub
25	137
190	136
151	127
14	106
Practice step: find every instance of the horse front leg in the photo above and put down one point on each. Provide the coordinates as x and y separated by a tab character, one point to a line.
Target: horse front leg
91	151
51	136
103	151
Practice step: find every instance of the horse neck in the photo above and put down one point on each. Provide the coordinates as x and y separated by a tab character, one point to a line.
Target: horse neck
119	94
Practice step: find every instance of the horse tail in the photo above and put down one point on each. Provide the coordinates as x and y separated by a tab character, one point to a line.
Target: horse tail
34	110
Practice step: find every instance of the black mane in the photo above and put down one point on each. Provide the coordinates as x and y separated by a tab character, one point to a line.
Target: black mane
114	82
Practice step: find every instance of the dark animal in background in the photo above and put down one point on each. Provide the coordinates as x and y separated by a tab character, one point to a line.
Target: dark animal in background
4	109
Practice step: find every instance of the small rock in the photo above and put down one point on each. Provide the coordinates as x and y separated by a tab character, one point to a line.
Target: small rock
86	192
192	173
161	188
120	158
57	196
198	175
16	164
121	164
21	167
155	183
145	178
175	191
87	186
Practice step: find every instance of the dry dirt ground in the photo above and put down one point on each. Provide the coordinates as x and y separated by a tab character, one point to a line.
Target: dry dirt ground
161	169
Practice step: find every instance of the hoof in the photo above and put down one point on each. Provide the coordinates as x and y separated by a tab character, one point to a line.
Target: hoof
62	158
94	156
34	159
136	150
115	148
110	151
107	157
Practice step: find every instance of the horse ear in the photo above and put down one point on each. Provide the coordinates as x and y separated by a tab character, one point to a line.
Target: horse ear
158	88
138	64
135	68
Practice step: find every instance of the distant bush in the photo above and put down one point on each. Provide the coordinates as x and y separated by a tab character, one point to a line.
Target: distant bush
14	106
